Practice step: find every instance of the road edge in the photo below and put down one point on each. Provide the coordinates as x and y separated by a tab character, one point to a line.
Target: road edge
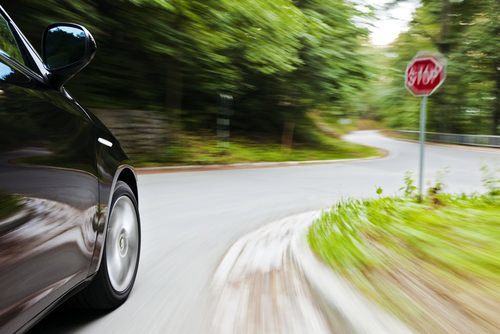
272	249
342	303
473	148
251	165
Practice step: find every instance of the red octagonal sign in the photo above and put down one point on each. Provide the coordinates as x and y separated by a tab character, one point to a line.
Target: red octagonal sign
424	75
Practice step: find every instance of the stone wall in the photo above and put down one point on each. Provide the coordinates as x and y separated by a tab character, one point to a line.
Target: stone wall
139	131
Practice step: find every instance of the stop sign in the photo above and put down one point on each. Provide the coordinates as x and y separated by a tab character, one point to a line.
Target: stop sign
424	75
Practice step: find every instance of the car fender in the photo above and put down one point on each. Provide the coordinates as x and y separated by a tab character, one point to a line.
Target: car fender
102	216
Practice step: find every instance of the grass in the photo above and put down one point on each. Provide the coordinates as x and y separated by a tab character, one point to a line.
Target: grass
399	135
340	125
9	204
435	264
189	150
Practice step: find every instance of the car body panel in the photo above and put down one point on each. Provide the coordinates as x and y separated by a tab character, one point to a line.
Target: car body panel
49	193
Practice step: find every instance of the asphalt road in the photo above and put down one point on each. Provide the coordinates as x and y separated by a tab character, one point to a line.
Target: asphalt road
189	221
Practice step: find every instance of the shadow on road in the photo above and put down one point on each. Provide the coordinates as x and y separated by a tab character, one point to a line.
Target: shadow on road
65	319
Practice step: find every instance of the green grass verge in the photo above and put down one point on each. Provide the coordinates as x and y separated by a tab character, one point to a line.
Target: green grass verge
9	204
435	265
190	150
334	123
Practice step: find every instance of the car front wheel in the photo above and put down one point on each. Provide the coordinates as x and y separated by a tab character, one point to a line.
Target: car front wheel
113	282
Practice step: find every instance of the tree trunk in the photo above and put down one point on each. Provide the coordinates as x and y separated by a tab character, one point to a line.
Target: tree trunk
287	136
444	47
496	111
174	85
444	42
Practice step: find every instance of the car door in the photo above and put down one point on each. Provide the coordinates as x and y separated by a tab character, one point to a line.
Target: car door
48	189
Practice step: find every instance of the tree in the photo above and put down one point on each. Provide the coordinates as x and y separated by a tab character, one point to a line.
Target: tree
466	34
279	59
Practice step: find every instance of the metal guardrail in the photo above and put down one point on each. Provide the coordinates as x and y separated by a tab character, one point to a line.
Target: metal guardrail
453	138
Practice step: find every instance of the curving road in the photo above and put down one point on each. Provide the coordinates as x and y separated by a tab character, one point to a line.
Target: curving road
189	221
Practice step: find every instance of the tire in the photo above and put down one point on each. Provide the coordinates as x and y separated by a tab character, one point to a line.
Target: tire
114	280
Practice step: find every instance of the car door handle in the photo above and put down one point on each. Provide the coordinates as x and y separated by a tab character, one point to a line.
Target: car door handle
105	142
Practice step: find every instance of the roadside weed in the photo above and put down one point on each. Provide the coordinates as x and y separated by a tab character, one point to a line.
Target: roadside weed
420	260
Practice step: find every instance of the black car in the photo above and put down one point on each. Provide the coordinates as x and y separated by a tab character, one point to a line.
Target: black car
69	221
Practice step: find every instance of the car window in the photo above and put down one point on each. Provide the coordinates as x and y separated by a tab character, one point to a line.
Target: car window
8	44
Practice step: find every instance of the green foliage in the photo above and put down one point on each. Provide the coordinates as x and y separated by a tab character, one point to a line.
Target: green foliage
8	43
382	245
467	33
277	58
9	204
435	191
409	189
205	150
491	179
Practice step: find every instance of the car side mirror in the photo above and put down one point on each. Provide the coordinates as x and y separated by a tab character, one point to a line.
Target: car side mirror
66	49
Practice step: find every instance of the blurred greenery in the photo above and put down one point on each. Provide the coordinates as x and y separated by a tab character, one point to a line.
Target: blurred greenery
207	150
8	42
281	61
467	33
277	58
9	204
413	258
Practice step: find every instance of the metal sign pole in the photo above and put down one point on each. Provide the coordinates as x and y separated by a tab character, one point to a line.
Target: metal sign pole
224	122
424	75
423	119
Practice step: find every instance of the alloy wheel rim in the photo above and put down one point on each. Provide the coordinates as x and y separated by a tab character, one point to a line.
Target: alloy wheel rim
122	244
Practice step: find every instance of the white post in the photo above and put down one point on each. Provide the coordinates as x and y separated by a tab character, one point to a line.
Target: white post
423	116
